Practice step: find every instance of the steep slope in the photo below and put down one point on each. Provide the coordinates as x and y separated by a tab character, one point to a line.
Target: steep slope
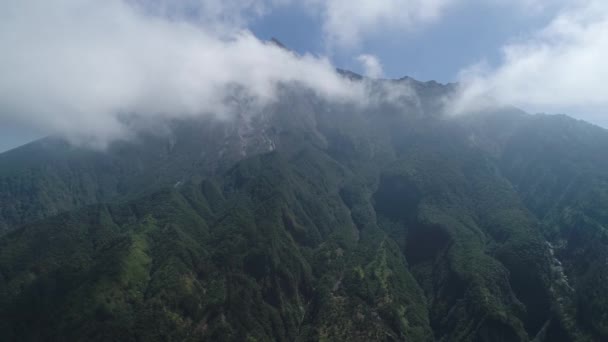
314	221
50	176
558	166
257	259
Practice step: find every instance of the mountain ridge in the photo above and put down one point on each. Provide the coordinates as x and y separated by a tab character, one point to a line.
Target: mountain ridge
313	221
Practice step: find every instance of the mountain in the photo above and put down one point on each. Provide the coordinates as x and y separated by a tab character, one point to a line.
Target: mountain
313	221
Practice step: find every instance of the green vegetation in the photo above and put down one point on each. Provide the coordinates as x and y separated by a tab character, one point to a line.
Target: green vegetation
386	224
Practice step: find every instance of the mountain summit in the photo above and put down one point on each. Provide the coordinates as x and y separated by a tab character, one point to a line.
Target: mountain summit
278	43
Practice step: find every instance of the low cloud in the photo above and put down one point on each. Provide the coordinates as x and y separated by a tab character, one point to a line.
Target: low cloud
562	66
78	67
371	66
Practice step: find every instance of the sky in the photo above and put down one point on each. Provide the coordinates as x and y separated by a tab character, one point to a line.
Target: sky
79	67
469	33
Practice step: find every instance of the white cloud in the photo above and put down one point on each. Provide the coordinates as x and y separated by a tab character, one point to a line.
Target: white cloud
561	66
347	22
222	15
76	66
371	66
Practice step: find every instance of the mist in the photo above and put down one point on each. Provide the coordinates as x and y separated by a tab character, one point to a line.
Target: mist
84	69
79	68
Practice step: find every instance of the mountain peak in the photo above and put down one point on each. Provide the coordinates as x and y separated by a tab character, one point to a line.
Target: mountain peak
353	76
278	43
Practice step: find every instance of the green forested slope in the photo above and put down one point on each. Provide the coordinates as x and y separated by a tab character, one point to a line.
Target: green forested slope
314	221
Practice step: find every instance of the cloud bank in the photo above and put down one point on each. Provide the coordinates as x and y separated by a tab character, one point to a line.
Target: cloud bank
371	66
562	66
78	67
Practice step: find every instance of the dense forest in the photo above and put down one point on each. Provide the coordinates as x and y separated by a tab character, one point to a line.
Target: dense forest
313	221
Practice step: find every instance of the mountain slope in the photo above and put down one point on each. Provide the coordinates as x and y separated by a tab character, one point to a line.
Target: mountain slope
314	221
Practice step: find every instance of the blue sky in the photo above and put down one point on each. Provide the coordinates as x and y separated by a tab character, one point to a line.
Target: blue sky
72	67
466	35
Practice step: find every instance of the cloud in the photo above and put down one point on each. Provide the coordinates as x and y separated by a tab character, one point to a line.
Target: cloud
371	66
347	22
221	15
78	67
562	66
